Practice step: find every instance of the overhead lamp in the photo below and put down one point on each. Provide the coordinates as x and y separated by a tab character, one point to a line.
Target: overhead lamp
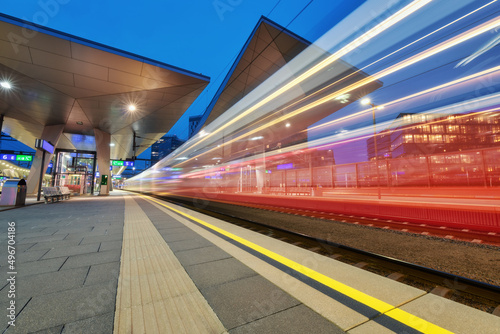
111	144
132	107
6	85
366	101
344	98
287	125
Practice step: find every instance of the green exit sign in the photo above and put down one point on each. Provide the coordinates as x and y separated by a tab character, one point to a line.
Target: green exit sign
24	157
117	162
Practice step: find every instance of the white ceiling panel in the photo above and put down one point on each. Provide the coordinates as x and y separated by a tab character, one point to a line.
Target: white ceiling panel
61	79
105	59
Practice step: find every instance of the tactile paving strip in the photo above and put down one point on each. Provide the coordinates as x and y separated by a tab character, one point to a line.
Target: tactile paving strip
155	294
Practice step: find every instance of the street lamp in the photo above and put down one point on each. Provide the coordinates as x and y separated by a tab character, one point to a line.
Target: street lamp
367	101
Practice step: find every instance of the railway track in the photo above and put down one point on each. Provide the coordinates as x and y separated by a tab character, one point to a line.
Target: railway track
480	295
491	238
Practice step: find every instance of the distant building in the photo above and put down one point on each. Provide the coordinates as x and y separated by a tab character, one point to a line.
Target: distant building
194	121
424	134
164	146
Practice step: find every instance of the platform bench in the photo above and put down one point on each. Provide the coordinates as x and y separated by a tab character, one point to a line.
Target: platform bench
52	194
65	192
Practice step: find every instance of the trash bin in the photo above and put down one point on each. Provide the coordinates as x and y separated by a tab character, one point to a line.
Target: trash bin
13	192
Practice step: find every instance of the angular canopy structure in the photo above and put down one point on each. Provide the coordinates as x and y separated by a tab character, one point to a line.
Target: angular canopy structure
59	79
268	48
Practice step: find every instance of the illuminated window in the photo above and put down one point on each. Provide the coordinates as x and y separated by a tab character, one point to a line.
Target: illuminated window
436	138
426	128
466	159
451	139
437	129
421	138
453	129
408	138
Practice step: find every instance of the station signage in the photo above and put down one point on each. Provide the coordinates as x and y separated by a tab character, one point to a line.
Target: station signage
21	157
44	145
126	163
16	157
11	157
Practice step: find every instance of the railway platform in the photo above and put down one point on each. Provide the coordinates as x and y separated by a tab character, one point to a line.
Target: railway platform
128	263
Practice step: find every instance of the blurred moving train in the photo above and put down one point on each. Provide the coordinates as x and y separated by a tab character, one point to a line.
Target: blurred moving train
428	152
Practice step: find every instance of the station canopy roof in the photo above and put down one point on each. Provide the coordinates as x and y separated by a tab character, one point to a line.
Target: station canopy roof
57	78
268	48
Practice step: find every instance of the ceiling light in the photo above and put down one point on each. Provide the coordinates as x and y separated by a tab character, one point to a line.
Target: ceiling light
6	84
111	144
344	98
287	125
366	101
132	107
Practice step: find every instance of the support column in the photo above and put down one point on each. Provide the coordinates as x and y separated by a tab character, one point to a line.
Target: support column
50	133
102	140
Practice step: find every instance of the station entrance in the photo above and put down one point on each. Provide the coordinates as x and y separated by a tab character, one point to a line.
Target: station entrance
75	170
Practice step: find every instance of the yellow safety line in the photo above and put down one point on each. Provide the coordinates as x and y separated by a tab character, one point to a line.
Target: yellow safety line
389	310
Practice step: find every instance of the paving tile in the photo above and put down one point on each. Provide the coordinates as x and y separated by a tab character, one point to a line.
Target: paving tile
166	226
29	256
89	259
101	238
68	251
245	300
177	246
53	330
296	320
4	303
23	234
102	324
40	267
35	285
175	230
55	244
216	273
187	235
109	245
201	255
23	247
103	273
45	238
51	310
